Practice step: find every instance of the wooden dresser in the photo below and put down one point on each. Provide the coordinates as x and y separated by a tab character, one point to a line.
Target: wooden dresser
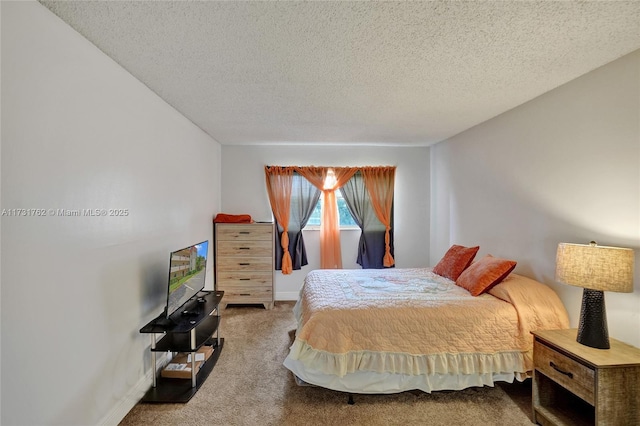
575	384
244	263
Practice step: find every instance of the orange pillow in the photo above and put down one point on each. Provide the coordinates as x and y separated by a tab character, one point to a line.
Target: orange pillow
455	260
484	274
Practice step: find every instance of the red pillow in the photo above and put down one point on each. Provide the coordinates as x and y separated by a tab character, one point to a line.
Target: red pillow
455	260
484	274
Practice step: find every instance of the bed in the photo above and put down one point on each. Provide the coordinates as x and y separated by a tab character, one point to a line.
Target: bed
395	330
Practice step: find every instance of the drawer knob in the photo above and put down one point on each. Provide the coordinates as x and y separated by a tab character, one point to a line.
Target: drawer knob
555	367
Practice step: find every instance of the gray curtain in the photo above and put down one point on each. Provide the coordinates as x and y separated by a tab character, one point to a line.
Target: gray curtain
304	197
371	246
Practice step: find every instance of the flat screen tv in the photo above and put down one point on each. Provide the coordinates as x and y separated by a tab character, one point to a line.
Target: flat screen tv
187	269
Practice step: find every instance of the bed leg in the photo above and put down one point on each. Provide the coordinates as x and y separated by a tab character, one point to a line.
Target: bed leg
351	401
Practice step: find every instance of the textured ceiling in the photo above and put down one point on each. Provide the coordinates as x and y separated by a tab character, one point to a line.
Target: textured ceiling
409	73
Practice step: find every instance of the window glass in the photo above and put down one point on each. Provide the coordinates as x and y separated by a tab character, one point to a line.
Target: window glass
345	216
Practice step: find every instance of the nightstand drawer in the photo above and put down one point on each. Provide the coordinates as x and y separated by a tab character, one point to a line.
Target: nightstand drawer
575	377
244	248
244	232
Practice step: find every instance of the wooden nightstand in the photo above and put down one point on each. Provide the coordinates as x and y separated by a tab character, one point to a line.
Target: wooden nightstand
575	384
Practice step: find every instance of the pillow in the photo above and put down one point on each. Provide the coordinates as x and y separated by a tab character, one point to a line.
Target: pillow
484	274
455	260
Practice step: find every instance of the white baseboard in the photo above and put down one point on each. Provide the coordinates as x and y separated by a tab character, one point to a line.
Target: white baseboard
135	394
122	407
287	295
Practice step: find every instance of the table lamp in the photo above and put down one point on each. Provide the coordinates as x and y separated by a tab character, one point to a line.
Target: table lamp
597	269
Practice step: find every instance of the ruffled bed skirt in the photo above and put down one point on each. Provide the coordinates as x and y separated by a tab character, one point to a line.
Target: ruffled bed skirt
383	372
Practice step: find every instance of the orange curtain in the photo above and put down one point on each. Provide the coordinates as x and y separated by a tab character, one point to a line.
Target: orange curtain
379	182
279	181
330	252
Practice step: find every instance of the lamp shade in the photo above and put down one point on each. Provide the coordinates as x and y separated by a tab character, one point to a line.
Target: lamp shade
595	267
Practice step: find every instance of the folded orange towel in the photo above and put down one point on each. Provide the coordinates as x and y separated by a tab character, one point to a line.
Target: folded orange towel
232	218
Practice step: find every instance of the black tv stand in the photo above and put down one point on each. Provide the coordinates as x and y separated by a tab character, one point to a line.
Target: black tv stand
185	333
164	321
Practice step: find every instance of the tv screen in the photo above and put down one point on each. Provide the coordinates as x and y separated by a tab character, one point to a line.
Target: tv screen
187	269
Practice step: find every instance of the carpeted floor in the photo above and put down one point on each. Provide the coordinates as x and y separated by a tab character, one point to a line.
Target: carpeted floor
249	386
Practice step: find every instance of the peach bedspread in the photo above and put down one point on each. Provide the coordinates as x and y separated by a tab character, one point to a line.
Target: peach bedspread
414	322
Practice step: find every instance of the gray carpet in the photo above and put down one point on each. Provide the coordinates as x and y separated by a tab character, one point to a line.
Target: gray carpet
249	386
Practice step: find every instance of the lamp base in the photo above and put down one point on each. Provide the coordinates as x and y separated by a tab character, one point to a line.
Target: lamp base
592	330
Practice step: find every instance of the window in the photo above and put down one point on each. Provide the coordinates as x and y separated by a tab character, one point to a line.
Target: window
344	215
377	232
346	220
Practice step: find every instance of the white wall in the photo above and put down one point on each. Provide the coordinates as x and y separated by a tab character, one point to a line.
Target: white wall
564	167
79	132
244	191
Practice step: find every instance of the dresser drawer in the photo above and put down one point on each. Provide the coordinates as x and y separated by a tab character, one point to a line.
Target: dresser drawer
244	248
239	278
577	378
241	263
247	295
244	232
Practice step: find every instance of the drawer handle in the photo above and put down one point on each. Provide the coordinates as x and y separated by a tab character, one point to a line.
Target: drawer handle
244	232
244	264
566	373
244	248
245	294
245	279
